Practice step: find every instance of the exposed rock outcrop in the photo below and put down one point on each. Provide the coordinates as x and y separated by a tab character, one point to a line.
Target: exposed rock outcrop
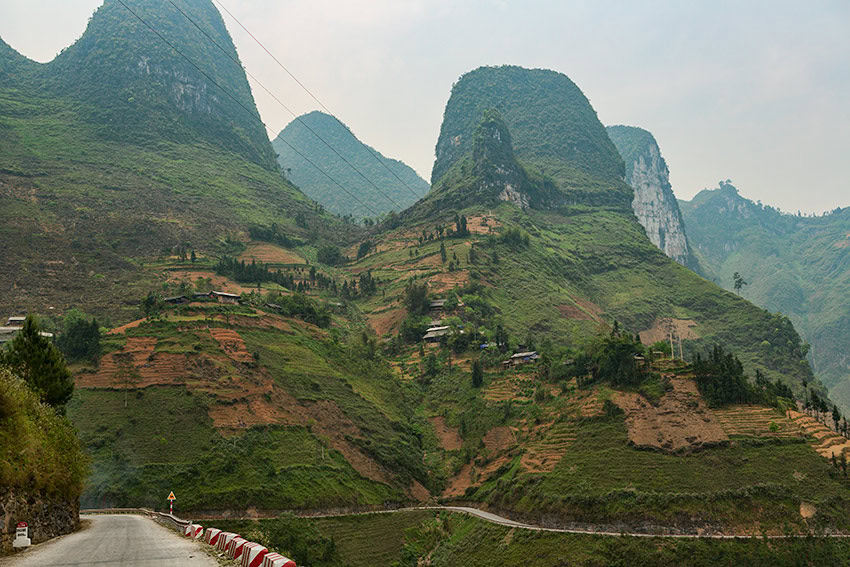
47	517
654	203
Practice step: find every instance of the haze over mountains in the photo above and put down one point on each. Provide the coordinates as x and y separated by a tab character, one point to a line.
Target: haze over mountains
515	339
796	265
391	186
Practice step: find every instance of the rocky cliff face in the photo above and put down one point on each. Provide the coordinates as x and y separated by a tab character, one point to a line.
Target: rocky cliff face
47	517
654	203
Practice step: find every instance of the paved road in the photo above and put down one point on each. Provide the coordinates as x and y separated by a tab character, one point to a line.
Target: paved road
119	540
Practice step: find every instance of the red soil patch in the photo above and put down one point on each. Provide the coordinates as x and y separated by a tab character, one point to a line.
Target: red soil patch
219	283
589	307
575	312
680	423
824	440
445	281
660	330
121	369
499	439
386	321
418	492
231	343
549	443
269	254
468	473
448	436
123	328
482	224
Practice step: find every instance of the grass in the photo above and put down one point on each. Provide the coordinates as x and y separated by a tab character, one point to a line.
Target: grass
603	479
456	540
165	439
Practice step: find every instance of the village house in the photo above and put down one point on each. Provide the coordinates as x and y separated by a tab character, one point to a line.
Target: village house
521	358
433	334
223	297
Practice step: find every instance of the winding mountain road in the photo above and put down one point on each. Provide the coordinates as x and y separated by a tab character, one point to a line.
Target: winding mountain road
121	540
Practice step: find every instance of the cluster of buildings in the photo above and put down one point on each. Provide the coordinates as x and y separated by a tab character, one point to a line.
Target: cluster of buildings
220	296
437	330
14	324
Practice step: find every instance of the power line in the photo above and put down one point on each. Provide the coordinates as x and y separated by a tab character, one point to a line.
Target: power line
325	108
237	101
236	61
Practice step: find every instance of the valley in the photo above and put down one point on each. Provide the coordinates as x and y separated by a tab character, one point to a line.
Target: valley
540	332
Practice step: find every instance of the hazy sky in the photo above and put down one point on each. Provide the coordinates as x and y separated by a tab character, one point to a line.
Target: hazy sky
754	91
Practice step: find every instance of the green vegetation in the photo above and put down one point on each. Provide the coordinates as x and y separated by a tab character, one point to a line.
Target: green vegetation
794	264
79	338
111	164
456	540
553	129
721	381
322	401
317	186
40	364
39	451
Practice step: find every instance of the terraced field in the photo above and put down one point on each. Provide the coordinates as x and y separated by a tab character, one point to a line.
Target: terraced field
546	452
510	387
824	440
753	421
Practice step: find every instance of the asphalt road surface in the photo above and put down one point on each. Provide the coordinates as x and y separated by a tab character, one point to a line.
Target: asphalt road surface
119	540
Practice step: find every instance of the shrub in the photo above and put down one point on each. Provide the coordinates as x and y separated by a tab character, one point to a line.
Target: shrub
38	448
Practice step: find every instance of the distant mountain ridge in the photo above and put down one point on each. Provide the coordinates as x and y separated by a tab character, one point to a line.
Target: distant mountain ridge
793	264
654	204
318	187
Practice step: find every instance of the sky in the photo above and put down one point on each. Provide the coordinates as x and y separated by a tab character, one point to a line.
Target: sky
757	92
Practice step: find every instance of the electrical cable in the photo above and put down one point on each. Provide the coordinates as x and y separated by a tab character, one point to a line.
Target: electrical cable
320	103
237	101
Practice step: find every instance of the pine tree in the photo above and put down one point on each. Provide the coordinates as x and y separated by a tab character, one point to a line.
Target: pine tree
477	374
40	364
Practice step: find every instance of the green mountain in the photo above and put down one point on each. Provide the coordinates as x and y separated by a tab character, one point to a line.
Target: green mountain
590	259
120	151
654	204
302	133
553	128
796	265
529	236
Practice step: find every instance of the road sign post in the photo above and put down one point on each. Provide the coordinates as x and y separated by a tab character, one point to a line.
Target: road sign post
171	499
22	535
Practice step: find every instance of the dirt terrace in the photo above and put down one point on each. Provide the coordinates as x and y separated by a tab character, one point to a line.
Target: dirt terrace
659	331
756	421
681	422
824	440
269	254
449	438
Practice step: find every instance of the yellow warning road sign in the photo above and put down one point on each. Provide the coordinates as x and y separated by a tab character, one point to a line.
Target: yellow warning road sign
171	496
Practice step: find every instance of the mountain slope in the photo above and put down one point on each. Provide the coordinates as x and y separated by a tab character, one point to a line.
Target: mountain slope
297	133
533	245
119	151
554	129
799	266
654	204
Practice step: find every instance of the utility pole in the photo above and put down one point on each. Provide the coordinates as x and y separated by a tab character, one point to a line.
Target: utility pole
670	330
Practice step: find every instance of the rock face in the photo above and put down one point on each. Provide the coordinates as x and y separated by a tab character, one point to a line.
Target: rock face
47	517
654	203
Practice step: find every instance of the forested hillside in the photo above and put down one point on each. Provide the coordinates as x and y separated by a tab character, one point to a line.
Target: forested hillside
793	264
391	177
120	151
